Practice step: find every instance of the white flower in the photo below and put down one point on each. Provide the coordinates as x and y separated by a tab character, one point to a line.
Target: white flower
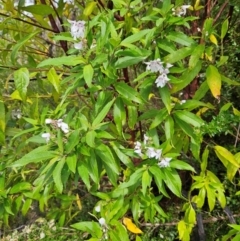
78	45
68	1
77	29
64	127
155	66
97	209
153	153
182	102
48	121
158	153
169	65
181	11
161	80
46	136
102	221
145	139
42	235
137	148
164	162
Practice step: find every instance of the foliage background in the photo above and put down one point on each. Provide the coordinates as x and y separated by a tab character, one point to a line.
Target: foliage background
109	102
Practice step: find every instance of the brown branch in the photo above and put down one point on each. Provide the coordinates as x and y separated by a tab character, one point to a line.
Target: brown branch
220	12
24	21
56	29
209	220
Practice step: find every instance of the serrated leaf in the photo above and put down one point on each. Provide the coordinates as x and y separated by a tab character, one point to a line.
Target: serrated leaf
214	81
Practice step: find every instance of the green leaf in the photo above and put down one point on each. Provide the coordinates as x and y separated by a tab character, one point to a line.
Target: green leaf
178	55
201	92
19	44
224	155
128	92
21	80
39	9
72	141
214	80
65	60
19	187
173	181
122	157
102	114
158	177
37	155
181	165
187	77
90	138
26	205
90	227
132	116
229	81
211	197
127	61
88	74
2	116
89	8
166	98
159	118
196	55
169	128
189	118
119	114
57	175
54	79
146	181
135	37
71	161
84	174
224	28
180	38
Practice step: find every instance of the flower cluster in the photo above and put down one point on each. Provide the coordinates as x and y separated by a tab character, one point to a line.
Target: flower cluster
77	32
156	66
57	124
181	11
151	152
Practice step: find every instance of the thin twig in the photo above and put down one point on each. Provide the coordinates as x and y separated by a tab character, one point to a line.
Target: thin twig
220	12
236	140
209	220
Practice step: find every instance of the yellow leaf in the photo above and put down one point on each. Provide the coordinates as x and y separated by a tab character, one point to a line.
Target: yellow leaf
236	112
214	81
213	39
150	96
131	226
78	202
202	111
